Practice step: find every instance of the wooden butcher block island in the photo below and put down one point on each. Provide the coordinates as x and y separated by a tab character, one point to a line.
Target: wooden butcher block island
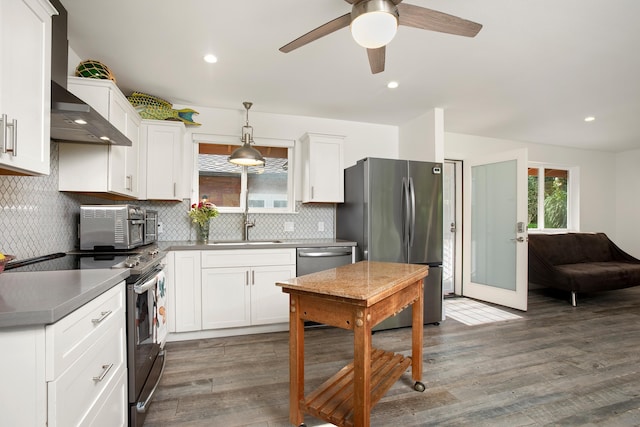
355	297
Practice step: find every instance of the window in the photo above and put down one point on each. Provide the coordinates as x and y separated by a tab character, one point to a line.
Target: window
270	187
551	202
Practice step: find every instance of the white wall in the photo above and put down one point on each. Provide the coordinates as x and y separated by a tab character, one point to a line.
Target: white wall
596	169
423	137
627	208
361	139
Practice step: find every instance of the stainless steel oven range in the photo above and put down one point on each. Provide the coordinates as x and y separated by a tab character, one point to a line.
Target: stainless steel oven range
146	310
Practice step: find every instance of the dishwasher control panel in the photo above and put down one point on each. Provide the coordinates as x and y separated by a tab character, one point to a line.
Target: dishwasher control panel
312	260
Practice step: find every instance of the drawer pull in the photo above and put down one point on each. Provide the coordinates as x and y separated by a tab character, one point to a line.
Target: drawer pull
105	371
103	316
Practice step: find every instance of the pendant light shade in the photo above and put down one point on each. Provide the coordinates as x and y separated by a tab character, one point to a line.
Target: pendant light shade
374	23
246	155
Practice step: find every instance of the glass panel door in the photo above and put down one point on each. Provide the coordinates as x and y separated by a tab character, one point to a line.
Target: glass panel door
495	266
449	227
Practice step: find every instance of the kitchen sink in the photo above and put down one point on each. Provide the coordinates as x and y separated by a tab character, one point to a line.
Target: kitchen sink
245	242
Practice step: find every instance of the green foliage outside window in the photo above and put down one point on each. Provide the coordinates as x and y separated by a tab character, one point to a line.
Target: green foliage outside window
554	203
532	208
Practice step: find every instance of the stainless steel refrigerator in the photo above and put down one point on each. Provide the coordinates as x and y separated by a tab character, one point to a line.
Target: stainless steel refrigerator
393	210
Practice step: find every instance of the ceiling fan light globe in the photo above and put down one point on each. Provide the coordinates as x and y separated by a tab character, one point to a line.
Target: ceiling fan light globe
374	23
374	29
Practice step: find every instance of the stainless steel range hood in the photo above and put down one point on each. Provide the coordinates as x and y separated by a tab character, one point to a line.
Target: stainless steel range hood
72	119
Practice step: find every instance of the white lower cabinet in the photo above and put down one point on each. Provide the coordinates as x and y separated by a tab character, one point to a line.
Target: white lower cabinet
243	296
187	289
226	298
236	288
72	372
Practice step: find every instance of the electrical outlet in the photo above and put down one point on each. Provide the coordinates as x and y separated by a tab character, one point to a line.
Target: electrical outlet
288	226
320	226
160	227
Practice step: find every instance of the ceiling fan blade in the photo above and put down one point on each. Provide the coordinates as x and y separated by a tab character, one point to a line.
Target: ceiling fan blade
428	19
376	59
321	31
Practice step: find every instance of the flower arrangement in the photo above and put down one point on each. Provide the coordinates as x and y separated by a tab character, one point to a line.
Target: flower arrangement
202	212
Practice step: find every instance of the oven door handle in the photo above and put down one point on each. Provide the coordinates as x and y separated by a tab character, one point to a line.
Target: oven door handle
141	289
141	407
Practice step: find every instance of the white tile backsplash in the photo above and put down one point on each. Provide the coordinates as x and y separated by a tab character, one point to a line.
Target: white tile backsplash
36	219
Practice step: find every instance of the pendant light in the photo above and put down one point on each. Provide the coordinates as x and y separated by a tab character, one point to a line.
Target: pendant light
247	155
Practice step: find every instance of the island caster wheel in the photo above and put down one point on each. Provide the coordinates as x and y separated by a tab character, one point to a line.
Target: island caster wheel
418	386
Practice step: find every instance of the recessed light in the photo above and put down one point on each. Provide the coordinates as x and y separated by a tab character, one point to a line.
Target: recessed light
211	59
105	138
80	122
589	119
392	85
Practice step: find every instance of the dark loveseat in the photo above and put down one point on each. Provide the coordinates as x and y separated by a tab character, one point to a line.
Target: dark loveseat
580	262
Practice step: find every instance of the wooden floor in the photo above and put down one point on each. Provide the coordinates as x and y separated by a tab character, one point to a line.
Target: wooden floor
558	365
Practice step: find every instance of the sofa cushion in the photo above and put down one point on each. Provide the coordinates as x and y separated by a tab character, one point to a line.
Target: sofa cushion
597	276
572	248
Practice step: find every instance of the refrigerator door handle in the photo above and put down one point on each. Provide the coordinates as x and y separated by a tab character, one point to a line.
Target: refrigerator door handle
412	203
405	212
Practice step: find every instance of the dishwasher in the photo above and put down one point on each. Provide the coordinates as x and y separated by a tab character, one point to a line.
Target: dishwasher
312	260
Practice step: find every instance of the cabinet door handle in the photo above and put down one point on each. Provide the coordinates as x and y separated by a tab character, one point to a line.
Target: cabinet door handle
105	371
103	316
174	189
4	144
130	182
312	192
246	278
253	277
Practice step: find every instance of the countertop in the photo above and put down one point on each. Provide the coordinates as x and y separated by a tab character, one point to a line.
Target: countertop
252	244
44	297
366	281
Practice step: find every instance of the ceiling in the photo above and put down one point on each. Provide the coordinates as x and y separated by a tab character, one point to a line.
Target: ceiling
532	74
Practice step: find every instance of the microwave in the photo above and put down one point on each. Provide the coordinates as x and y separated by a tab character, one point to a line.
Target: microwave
105	227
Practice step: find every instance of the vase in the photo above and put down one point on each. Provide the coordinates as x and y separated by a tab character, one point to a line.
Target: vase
202	232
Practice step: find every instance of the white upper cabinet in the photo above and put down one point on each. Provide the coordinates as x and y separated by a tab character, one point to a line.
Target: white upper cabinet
96	168
162	146
322	168
25	86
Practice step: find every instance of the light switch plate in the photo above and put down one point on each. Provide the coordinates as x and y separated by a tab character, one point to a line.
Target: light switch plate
288	226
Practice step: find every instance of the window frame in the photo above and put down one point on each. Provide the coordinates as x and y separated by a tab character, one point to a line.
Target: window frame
573	196
201	138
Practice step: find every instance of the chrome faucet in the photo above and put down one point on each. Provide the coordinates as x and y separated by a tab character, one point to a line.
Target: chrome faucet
246	223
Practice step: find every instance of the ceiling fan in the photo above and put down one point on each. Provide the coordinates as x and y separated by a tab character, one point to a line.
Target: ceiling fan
374	24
